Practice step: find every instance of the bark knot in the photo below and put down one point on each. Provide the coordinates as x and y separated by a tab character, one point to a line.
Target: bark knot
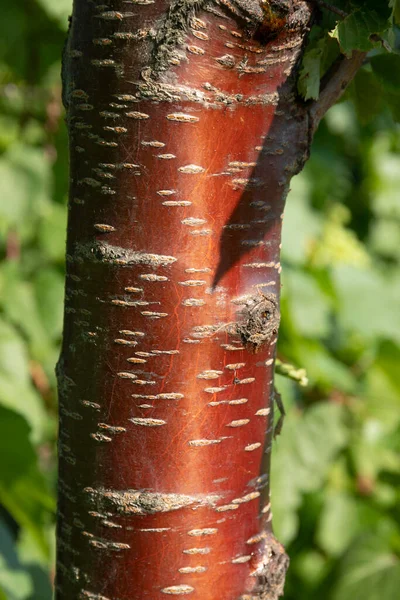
260	319
270	570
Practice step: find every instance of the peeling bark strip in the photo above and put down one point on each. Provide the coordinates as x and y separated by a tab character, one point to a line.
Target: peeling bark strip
185	130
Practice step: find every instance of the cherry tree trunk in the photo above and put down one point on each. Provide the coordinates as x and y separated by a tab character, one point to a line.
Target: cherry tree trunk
185	129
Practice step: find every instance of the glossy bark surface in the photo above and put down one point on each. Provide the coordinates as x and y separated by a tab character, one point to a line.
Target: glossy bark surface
181	157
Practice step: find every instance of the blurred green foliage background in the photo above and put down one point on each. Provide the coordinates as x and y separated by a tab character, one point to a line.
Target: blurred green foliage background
336	465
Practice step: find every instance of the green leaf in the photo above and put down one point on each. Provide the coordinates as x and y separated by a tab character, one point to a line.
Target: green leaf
52	232
18	299
394	105
354	31
368	303
385	178
383	382
310	73
25	181
319	54
38	566
387	70
370	570
367	95
16	391
49	295
385	237
303	455
301	224
343	518
15	583
321	367
22	489
338	524
59	10
395	4
309	308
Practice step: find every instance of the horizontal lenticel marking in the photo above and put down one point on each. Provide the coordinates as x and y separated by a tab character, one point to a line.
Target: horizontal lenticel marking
246	498
263	412
204	442
209	374
176	203
125	342
148	422
258	537
193	222
197	551
191	169
129	332
153	144
178	590
198	569
156	529
201	532
238	423
195	49
192	282
166	192
238	401
100	437
252	447
226	507
235	366
127	375
137	115
193	302
200	35
153	277
201	232
103	228
203	270
182	118
241	559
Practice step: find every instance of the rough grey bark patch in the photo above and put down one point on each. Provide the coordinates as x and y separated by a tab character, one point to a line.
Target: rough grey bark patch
170	33
140	502
103	252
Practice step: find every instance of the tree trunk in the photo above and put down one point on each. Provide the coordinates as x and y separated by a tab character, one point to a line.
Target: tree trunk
185	129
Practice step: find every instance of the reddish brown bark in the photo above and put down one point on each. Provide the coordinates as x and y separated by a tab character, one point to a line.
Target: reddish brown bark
185	130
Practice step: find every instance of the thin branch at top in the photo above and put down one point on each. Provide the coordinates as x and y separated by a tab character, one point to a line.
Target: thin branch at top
331	8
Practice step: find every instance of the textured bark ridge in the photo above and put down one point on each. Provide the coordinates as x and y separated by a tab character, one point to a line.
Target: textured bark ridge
185	130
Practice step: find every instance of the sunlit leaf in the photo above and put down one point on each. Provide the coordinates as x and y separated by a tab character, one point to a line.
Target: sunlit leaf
354	31
310	74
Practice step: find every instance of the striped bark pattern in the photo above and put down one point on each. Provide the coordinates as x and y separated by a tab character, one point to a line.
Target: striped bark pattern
185	130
